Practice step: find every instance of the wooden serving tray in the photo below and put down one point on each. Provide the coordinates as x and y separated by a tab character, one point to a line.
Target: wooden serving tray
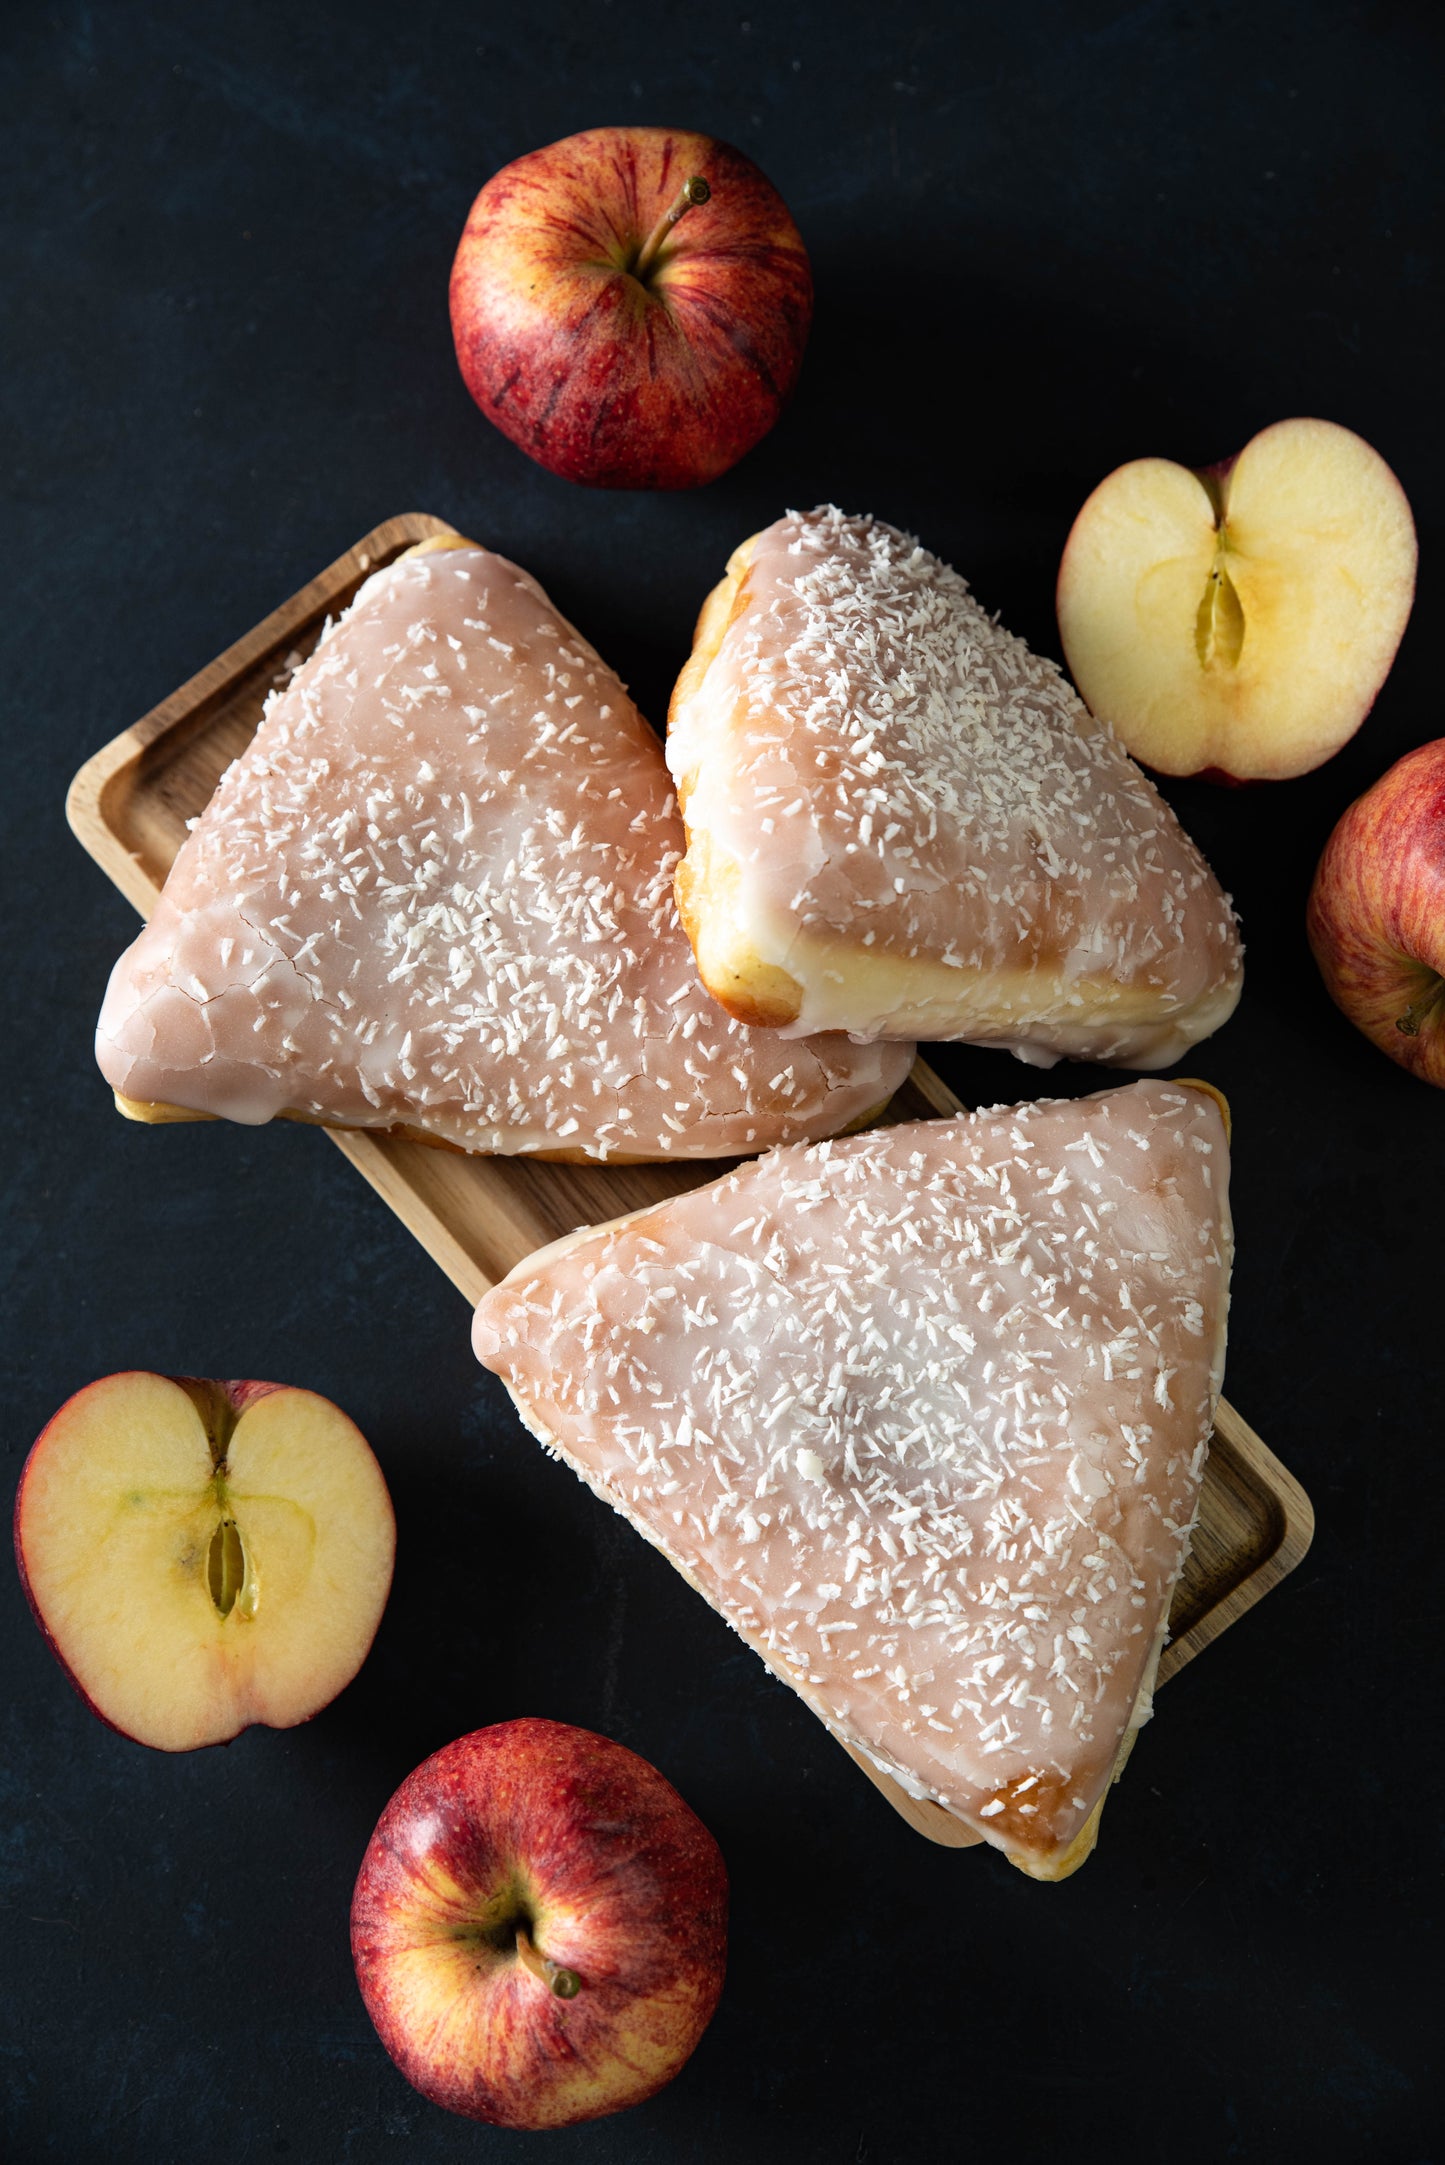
479	1216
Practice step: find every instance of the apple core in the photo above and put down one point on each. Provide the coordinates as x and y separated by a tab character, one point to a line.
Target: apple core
1236	621
1219	627
153	1511
226	1569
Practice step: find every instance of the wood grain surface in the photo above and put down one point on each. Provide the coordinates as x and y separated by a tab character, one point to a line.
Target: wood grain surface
478	1217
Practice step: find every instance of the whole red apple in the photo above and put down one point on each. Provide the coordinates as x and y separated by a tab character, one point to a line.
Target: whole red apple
203	1555
539	1926
1376	917
630	306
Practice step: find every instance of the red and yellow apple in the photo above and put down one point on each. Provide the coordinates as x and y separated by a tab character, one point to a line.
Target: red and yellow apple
1376	916
630	306
201	1556
1238	622
539	1926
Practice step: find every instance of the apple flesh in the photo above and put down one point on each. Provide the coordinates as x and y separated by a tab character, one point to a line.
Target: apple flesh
539	1926
201	1556
630	306
1239	622
1376	916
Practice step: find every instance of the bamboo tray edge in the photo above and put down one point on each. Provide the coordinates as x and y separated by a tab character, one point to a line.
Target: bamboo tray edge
476	1217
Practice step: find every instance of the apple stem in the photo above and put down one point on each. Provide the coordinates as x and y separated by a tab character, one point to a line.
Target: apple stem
565	1983
694	190
1418	1011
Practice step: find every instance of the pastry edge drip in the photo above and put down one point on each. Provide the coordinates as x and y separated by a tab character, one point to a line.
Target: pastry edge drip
1044	1862
769	969
161	1002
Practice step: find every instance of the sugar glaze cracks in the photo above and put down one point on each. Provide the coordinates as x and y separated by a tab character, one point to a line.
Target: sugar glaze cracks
924	1414
891	799
435	892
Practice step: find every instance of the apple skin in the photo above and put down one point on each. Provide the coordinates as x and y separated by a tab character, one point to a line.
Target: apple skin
219	1405
1215	480
621	383
616	1880
1376	915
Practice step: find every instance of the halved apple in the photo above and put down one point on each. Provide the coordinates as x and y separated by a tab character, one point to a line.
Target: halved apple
1239	622
201	1555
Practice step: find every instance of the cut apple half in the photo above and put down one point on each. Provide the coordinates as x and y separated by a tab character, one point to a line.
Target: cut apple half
1240	621
202	1556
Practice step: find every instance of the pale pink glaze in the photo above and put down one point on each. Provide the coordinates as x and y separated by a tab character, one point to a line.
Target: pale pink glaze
436	891
900	781
924	1414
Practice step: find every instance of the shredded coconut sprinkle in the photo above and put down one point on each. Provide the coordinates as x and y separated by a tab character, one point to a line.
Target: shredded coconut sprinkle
893	800
436	892
890	1403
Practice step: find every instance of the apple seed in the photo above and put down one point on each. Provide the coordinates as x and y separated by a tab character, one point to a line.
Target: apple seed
1219	626
225	1566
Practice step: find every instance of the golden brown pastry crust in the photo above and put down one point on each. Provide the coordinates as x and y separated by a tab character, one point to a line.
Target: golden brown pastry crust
1049	1867
551	1369
152	1115
797	966
751	990
153	1112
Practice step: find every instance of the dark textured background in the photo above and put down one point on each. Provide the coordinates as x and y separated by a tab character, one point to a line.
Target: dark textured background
1046	238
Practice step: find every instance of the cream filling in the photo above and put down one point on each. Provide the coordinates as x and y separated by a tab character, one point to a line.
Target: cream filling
1038	1016
870	992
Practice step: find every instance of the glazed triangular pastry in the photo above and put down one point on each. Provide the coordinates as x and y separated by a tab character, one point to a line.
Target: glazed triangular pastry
903	823
924	1413
434	895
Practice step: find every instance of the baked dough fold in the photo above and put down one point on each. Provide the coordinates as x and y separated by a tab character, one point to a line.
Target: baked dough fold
434	896
903	823
924	1413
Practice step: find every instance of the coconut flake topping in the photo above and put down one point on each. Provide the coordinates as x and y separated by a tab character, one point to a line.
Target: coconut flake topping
436	892
929	830
924	1413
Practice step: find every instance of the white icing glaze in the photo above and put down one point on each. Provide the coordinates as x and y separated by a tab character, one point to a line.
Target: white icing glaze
924	1414
436	891
933	835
